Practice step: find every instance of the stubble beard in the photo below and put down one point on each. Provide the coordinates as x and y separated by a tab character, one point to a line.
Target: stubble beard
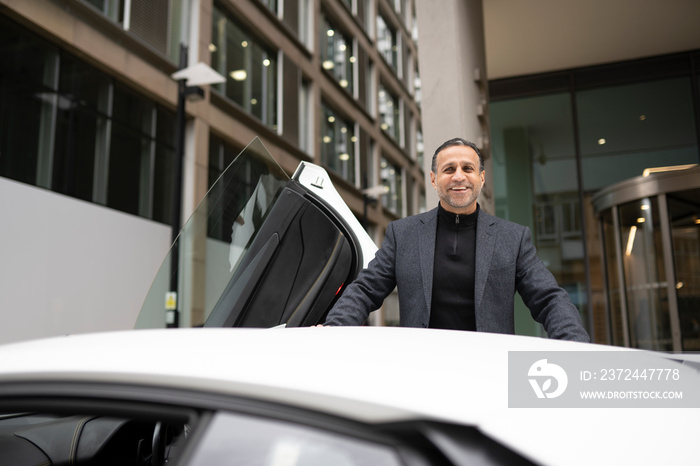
449	200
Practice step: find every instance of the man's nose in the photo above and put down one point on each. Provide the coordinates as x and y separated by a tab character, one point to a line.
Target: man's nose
459	174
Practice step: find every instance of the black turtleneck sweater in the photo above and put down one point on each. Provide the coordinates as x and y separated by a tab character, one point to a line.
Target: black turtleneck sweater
452	304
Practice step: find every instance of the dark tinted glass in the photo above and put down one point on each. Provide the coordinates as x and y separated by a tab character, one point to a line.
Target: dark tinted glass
22	107
126	148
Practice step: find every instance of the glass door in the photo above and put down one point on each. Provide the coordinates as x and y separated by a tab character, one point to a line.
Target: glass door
645	275
684	213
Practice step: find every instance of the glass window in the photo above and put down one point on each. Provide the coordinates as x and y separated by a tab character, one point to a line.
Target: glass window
337	56
420	149
221	155
238	439
271	4
82	129
305	19
414	24
67	127
625	129
28	104
387	43
614	292
250	68
131	152
684	212
645	276
113	9
363	14
141	157
160	23
536	184
338	144
389	113
417	89
306	116
25	54
164	170
391	178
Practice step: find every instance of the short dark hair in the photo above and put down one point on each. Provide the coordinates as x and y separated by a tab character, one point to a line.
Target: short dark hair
457	142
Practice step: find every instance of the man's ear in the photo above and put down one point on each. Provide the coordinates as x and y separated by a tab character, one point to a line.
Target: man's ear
432	179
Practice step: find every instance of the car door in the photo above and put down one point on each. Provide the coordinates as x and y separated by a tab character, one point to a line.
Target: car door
262	249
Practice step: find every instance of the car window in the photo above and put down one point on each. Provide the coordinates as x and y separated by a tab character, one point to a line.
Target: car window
89	439
233	439
214	241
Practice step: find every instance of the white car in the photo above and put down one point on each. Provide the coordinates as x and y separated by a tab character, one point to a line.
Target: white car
309	396
266	251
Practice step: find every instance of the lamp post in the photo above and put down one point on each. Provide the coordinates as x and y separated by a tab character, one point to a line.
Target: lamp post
188	81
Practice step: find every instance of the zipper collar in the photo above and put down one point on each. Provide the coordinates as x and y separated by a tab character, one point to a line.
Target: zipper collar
457	220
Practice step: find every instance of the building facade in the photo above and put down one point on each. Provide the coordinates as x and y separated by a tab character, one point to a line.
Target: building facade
88	120
579	107
566	99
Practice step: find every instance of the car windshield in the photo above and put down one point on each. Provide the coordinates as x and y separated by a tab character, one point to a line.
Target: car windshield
214	241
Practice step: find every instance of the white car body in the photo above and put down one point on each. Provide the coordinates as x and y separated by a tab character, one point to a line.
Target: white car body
316	180
371	375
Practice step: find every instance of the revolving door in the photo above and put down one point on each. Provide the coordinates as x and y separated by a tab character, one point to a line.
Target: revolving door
650	231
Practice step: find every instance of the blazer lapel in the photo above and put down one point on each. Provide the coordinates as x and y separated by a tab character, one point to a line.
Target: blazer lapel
485	243
426	253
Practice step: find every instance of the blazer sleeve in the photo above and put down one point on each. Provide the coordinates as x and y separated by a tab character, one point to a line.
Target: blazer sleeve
549	304
368	291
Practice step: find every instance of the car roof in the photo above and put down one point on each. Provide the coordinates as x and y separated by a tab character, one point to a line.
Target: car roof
369	374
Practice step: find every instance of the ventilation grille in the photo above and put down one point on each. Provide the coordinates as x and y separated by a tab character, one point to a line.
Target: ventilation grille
150	20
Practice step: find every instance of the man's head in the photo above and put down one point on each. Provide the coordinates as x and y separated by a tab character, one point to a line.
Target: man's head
457	142
458	175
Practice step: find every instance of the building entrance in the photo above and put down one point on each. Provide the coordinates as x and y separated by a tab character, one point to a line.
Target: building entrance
650	230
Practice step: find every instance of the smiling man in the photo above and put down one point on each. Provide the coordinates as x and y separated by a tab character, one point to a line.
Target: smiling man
457	267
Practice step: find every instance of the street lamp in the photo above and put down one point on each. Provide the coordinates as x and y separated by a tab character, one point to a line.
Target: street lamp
188	78
369	197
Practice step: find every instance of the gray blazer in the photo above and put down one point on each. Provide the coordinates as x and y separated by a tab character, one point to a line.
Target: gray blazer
506	262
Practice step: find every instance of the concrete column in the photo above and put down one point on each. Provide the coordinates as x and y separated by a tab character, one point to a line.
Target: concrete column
452	64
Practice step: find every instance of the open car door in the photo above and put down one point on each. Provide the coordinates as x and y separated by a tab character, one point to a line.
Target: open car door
261	250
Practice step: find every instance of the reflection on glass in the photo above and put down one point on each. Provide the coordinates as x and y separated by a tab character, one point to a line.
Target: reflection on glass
684	212
337	54
420	148
245	440
250	69
28	104
625	129
387	42
391	178
645	276
389	113
614	296
338	144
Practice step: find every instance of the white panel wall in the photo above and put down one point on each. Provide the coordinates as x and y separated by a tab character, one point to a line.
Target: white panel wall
68	266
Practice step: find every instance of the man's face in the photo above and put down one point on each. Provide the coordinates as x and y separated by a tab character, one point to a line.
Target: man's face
458	180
